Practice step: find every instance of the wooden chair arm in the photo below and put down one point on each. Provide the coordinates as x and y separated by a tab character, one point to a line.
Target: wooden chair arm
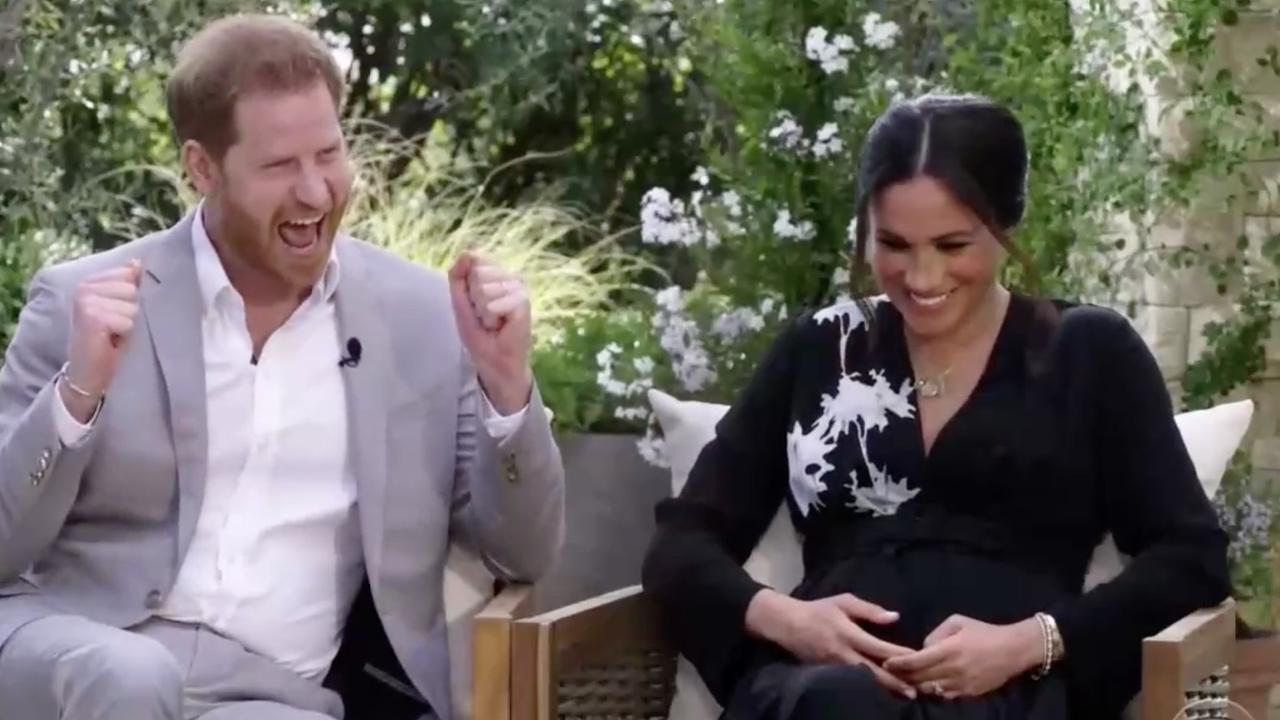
605	656
1187	656
491	659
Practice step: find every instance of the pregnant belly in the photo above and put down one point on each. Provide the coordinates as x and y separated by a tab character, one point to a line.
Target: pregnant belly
929	584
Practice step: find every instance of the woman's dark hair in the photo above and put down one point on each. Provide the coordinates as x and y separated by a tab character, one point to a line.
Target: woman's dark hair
969	143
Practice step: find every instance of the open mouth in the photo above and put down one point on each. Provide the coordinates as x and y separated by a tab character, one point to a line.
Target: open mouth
302	234
929	301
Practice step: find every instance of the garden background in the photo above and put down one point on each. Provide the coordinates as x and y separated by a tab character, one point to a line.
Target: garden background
675	177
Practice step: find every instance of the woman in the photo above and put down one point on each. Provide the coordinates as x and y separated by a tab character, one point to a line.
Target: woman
951	453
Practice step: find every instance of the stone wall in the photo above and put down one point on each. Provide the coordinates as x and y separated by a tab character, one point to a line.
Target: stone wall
1172	307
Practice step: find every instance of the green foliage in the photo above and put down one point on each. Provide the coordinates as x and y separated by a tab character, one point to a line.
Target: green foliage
568	368
537	89
81	105
416	201
1250	513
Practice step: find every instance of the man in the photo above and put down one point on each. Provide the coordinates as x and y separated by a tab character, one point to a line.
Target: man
209	437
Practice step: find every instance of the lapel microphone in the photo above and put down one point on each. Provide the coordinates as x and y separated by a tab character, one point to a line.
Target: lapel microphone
352	358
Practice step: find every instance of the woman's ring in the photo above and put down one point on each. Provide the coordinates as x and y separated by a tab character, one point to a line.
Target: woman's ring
936	688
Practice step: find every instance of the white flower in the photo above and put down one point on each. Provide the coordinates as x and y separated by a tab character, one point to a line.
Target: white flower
807	462
700	176
643	365
785	228
787	133
631	413
733	324
663	220
885	494
880	34
827	143
671	299
815	42
610	384
843	104
831	55
732	203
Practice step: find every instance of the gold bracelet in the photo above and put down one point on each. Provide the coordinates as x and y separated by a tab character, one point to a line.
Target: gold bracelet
66	380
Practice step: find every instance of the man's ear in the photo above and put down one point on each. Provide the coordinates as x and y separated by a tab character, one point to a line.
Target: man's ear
201	167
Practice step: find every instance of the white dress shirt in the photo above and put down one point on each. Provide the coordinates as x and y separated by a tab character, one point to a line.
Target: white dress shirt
275	561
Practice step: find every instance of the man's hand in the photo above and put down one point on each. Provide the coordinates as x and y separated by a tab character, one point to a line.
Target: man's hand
491	306
964	657
827	631
102	317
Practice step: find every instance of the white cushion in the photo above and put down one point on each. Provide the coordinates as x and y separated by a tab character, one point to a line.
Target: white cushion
1211	437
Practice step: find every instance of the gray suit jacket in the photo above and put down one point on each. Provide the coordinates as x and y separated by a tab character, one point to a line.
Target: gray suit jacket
99	529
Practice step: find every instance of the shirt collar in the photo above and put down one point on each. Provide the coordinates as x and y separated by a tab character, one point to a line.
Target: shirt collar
212	276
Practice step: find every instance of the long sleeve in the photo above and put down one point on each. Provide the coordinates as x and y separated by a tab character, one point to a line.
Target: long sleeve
39	475
1153	505
694	566
508	495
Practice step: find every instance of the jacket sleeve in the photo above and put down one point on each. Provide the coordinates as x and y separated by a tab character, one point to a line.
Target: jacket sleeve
693	569
39	476
508	495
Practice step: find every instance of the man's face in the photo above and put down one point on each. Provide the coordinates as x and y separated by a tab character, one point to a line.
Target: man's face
275	201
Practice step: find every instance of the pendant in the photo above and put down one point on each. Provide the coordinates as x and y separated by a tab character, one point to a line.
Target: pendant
929	387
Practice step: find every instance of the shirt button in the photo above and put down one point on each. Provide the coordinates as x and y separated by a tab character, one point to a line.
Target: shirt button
154	599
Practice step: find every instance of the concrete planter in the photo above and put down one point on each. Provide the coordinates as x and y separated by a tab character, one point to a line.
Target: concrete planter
610	495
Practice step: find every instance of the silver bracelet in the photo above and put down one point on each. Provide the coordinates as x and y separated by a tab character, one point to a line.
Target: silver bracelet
1052	644
66	380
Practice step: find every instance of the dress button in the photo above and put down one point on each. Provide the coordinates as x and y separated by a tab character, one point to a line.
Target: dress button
154	599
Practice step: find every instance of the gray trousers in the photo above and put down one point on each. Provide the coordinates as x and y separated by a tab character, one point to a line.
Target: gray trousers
69	668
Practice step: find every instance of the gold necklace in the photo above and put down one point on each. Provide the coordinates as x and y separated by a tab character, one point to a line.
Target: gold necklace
932	386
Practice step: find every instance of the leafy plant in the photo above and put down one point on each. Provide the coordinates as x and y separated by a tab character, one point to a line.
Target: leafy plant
422	204
1250	513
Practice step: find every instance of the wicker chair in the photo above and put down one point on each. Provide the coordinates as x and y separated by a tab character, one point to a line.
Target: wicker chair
607	659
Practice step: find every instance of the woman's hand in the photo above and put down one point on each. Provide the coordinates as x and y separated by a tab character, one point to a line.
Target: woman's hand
827	631
964	657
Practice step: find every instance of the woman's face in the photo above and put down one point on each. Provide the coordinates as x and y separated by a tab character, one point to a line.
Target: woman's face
932	256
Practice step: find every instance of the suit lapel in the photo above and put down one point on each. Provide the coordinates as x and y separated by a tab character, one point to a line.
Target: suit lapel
171	304
368	396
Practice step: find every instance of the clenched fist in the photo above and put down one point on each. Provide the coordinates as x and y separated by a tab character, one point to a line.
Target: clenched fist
102	317
491	306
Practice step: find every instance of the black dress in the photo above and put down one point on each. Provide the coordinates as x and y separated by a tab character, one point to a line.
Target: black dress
1068	434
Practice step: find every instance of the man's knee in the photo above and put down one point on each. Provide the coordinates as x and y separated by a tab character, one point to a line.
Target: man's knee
121	669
